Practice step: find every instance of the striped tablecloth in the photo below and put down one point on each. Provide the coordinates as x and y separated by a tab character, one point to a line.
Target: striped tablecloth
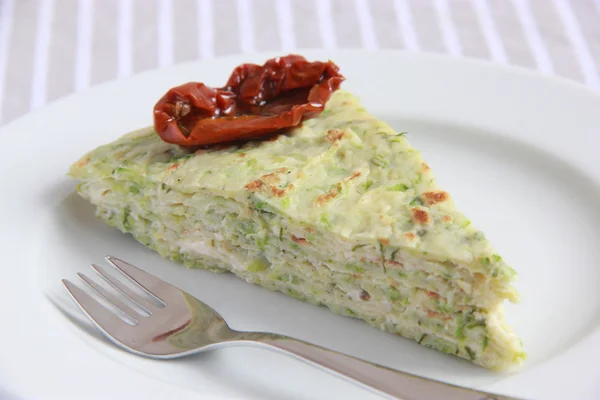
50	48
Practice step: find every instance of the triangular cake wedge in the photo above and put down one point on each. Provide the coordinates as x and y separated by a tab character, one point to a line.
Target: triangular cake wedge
340	212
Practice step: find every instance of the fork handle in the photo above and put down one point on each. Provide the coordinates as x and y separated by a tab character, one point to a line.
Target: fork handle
383	380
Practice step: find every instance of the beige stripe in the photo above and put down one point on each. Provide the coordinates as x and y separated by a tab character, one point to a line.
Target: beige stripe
285	25
104	41
185	30
467	27
145	35
61	66
245	25
41	54
205	22
557	43
426	25
266	31
345	24
306	28
588	16
384	22
6	23
226	29
20	54
165	32
511	32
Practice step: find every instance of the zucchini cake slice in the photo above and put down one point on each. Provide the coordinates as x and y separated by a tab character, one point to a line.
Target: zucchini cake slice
340	211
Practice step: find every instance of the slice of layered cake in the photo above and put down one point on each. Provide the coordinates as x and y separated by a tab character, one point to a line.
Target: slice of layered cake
337	210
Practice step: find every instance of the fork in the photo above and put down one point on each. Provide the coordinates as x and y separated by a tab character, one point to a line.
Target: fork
155	319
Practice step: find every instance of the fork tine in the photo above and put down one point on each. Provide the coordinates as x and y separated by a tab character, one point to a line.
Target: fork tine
136	299
121	309
142	279
93	309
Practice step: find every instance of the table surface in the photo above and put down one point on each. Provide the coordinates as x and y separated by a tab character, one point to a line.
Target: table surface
51	48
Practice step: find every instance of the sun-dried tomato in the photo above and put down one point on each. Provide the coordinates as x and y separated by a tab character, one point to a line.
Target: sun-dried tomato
257	100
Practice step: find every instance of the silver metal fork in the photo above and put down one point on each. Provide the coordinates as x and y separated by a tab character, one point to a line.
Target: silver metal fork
155	319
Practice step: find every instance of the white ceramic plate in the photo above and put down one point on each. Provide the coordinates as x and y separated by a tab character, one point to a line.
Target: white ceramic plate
519	152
